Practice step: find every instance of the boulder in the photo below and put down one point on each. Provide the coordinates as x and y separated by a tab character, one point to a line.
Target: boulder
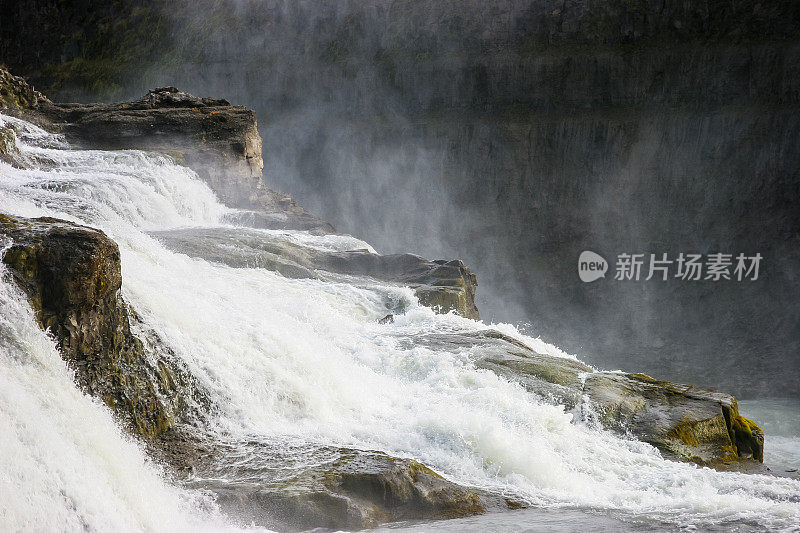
290	486
71	275
702	426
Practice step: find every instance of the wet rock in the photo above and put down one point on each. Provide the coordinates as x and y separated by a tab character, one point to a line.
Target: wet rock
217	140
71	275
555	379
388	319
699	425
443	285
684	422
294	487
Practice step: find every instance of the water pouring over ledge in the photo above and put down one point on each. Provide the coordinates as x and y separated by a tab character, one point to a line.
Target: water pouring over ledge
289	375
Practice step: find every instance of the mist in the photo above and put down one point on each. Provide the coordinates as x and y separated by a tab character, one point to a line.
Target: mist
518	134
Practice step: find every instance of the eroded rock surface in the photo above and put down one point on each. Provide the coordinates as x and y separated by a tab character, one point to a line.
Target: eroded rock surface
71	275
443	285
292	487
683	421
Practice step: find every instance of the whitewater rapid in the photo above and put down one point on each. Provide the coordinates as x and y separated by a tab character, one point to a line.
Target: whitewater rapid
295	360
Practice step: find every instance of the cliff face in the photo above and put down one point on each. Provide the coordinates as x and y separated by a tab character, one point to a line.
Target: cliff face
517	134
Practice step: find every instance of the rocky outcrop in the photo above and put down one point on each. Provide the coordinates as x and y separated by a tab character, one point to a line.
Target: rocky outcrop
702	426
217	140
442	285
16	93
71	275
682	421
360	490
221	143
294	487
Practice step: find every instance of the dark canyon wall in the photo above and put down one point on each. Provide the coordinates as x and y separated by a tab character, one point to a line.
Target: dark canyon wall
513	135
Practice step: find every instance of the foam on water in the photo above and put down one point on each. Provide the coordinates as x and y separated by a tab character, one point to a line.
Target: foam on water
64	463
307	360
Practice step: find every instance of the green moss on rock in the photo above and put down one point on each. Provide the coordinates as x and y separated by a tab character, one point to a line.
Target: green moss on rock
8	145
16	93
71	275
747	437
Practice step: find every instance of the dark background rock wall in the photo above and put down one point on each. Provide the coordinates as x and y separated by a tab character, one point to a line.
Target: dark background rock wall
513	135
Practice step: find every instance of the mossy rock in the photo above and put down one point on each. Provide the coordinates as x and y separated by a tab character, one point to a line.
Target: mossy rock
747	437
16	93
8	143
9	152
71	275
692	424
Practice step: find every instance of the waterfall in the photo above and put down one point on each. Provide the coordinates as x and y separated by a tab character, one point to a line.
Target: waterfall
293	361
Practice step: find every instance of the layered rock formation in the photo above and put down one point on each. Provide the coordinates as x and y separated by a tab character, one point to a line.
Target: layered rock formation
217	140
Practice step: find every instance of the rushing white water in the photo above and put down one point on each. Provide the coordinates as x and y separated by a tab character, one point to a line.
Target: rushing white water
300	360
